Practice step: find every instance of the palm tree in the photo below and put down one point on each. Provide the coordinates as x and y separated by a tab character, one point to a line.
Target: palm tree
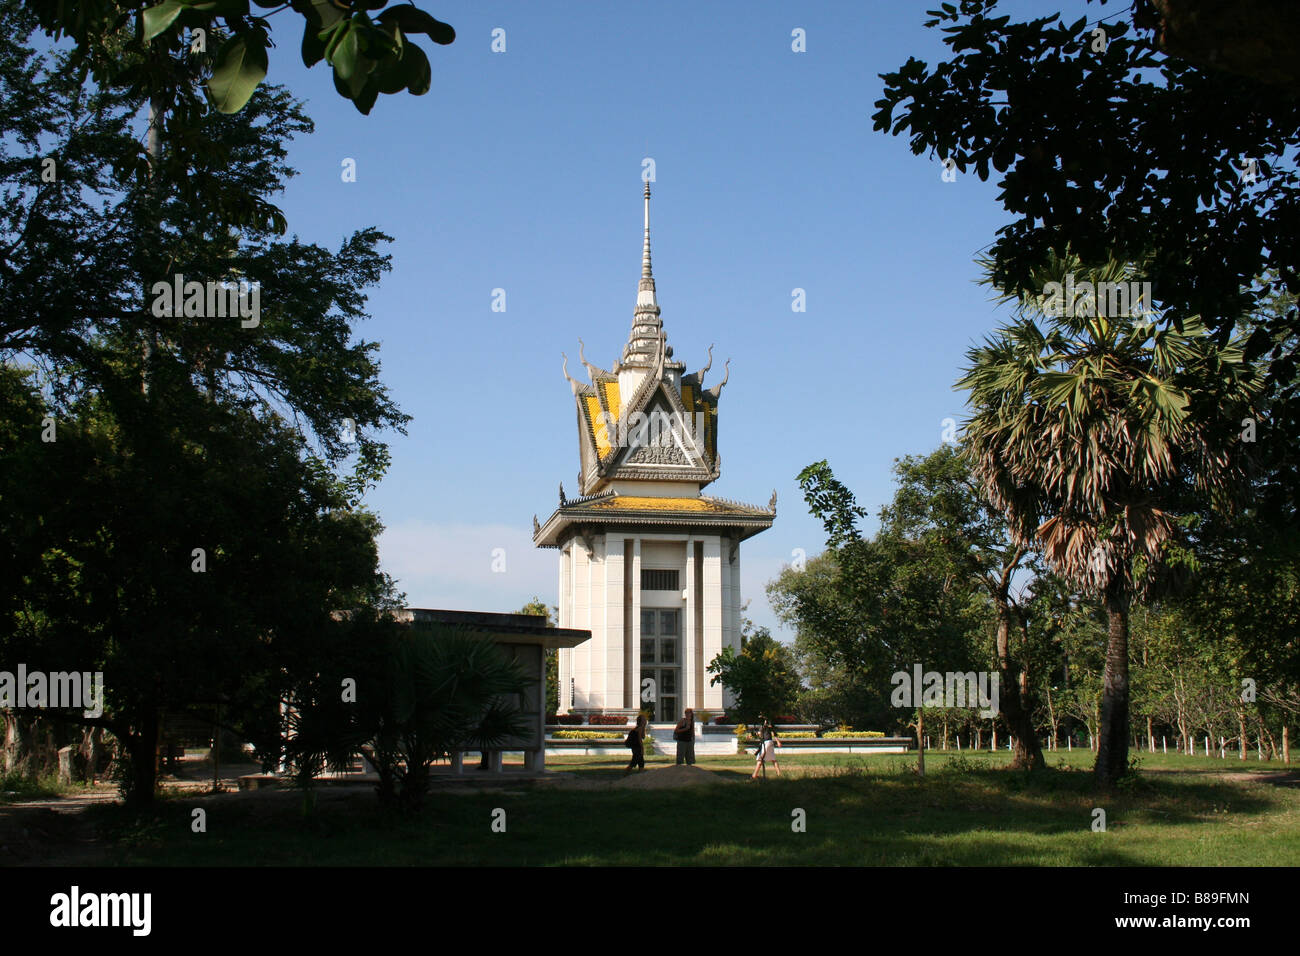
442	690
1088	432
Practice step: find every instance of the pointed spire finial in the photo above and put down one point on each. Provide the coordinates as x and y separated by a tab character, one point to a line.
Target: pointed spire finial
573	383
646	272
644	341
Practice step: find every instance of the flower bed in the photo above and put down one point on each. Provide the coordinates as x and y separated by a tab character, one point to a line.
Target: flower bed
564	718
607	720
585	735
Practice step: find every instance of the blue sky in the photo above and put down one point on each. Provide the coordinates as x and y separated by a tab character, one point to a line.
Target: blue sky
522	171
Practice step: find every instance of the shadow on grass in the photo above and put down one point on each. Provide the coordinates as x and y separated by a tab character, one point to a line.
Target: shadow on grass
851	816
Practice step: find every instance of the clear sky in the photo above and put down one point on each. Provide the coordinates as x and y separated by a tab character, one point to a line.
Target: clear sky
521	171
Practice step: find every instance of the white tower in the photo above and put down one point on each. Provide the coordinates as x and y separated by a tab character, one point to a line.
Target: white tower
648	564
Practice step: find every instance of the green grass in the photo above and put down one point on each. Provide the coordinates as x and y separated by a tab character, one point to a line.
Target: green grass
16	787
868	810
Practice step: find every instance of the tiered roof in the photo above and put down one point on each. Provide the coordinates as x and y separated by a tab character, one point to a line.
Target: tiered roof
648	421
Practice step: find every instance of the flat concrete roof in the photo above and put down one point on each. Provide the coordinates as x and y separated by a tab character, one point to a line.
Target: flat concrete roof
510	628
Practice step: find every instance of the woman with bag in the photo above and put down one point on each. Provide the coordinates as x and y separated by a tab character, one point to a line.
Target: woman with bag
684	734
767	744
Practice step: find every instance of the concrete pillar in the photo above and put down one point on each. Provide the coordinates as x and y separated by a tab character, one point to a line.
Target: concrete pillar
690	629
715	561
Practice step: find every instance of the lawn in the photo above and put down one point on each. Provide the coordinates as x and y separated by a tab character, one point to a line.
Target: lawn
859	810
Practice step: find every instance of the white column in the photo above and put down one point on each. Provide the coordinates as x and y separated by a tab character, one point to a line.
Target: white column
731	603
604	593
636	614
588	651
566	620
686	690
712	636
613	613
737	601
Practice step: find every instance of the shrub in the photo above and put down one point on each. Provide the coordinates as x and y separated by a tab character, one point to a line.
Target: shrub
607	720
851	733
585	735
564	718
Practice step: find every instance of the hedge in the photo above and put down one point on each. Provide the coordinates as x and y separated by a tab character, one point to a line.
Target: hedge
606	720
585	735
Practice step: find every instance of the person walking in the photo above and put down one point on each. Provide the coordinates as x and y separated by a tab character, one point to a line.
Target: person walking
767	744
684	734
636	742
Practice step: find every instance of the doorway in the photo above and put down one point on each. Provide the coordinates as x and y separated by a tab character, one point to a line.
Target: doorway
661	659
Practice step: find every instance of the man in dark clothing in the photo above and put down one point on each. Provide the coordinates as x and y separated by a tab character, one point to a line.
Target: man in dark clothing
684	734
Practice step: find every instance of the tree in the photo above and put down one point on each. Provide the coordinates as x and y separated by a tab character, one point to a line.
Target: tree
369	55
1257	40
191	525
833	694
1088	433
939	503
112	320
437	691
762	677
882	604
538	607
1032	101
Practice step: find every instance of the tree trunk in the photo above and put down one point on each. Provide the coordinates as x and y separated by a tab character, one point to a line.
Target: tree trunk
1112	746
143	748
13	742
1241	727
1267	734
920	742
1029	752
1051	716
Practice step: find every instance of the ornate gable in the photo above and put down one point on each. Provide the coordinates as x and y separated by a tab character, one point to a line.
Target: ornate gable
646	420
